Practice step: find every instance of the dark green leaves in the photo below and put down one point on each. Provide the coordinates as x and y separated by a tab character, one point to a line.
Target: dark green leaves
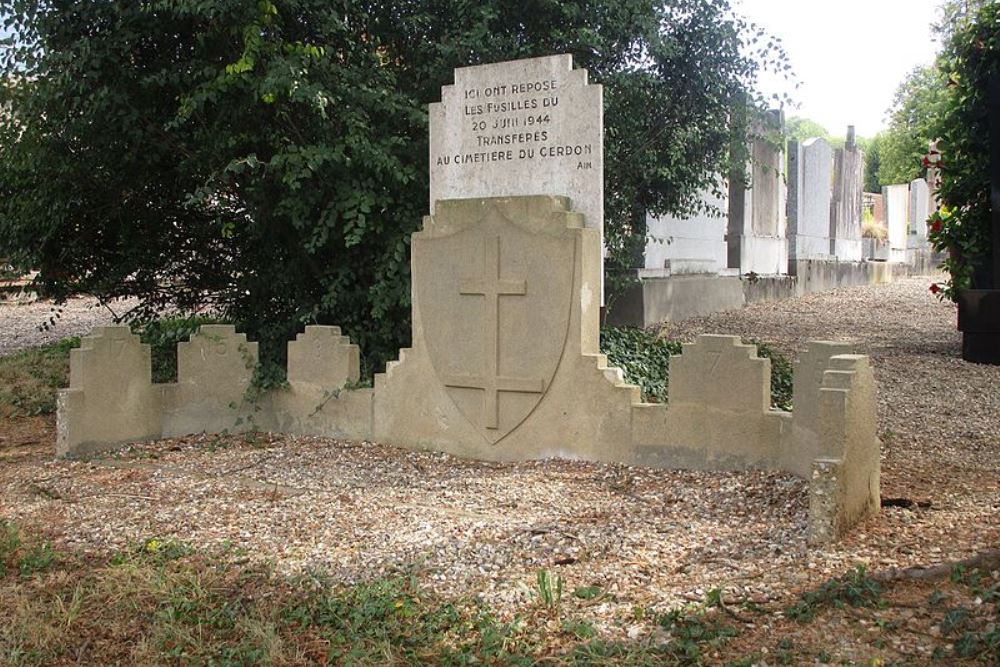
269	158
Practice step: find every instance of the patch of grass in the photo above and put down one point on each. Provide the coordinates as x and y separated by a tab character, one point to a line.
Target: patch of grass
29	379
159	601
644	357
38	558
692	633
155	551
10	541
579	629
974	630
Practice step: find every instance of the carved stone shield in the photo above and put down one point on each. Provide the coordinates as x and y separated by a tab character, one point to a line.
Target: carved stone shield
492	302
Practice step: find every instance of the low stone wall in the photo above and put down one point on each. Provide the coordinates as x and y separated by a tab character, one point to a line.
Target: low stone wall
654	300
718	417
504	366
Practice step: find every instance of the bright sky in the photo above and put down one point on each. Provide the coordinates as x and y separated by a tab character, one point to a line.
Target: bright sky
849	56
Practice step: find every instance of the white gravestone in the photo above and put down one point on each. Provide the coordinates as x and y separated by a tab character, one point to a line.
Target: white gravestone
896	199
920	198
524	127
810	165
688	245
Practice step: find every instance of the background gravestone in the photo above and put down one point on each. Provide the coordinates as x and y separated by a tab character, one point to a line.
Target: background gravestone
755	236
919	210
809	166
696	244
897	200
846	205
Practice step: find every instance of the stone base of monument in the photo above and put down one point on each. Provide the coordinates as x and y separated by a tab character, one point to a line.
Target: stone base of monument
505	366
979	322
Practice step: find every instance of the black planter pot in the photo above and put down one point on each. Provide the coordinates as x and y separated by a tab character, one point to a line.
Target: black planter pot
979	322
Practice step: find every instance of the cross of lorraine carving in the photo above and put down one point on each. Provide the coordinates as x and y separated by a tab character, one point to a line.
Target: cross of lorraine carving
492	288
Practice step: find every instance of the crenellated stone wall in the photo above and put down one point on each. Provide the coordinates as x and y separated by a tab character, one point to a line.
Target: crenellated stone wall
504	366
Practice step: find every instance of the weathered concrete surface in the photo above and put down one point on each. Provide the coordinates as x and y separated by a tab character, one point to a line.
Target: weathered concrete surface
846	203
695	245
755	235
807	383
718	388
671	298
537	127
214	370
919	211
845	479
111	398
322	357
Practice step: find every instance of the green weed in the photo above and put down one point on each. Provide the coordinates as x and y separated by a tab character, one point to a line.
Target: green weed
10	542
38	558
587	592
549	590
855	589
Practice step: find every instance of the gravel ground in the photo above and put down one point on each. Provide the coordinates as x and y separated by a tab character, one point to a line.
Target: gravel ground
26	322
646	537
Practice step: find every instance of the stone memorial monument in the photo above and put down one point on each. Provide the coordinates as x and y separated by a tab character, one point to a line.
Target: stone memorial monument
505	362
526	127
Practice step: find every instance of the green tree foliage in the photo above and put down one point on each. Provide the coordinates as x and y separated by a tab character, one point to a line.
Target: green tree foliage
801	129
970	56
901	147
269	159
873	159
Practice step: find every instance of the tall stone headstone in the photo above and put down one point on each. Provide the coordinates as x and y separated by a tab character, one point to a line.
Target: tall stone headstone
524	127
809	166
896	199
846	204
918	211
756	230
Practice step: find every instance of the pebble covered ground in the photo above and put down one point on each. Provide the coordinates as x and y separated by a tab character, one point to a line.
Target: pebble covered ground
647	538
28	322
